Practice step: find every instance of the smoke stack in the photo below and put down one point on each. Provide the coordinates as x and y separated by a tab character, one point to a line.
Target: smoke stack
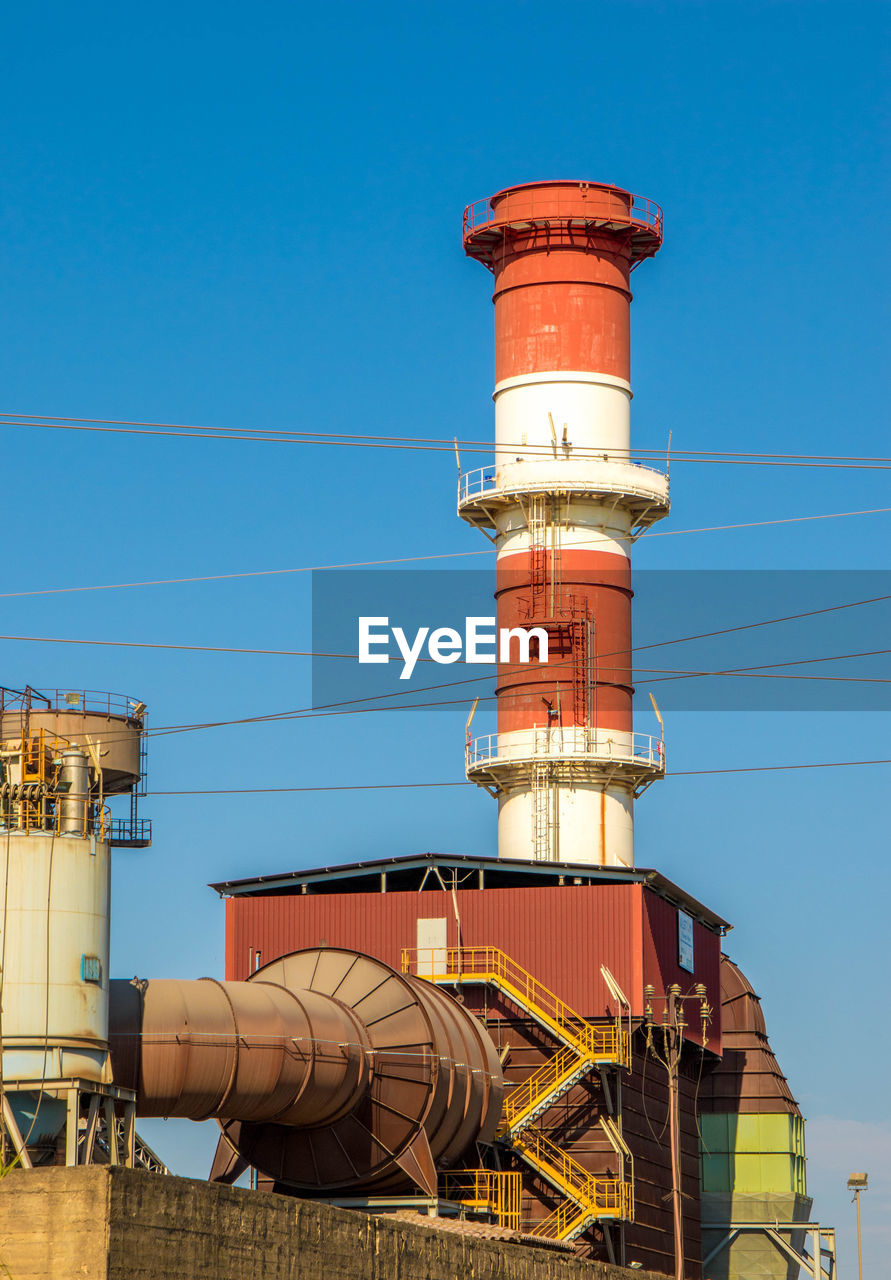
564	502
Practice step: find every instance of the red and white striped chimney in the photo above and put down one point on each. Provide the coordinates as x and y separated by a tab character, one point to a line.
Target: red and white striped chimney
564	502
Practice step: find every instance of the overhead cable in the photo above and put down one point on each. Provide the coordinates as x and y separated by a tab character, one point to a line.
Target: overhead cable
309	653
401	786
261	436
442	555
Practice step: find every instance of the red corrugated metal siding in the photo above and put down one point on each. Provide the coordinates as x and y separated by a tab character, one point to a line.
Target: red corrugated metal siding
562	934
661	968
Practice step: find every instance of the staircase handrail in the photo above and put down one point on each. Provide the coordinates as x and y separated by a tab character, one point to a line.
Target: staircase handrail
494	967
526	1096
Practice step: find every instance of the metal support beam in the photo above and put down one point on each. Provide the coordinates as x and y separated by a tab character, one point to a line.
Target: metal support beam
72	1126
111	1132
774	1231
91	1130
607	1092
608	1241
15	1136
128	1134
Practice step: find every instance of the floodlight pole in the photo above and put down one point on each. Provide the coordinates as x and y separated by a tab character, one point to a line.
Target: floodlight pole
858	1182
859	1241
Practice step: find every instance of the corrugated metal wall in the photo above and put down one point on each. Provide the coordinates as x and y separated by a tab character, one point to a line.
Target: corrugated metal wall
660	962
561	934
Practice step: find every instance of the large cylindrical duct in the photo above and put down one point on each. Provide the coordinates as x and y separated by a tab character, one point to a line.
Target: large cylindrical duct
213	1050
327	1070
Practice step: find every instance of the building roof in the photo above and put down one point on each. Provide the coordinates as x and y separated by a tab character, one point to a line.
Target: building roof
448	870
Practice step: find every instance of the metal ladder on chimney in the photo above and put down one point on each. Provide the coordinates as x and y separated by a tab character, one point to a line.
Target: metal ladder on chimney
537	523
542	812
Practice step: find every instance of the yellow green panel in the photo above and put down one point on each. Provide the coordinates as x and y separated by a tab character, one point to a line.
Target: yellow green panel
752	1133
753	1154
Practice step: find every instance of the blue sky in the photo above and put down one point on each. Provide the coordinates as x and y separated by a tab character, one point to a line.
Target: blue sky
240	217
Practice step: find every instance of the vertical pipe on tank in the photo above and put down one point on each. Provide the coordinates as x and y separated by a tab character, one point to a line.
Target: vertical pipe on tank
74	780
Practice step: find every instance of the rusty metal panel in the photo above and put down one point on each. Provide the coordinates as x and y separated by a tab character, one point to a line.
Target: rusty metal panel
661	968
748	1080
561	934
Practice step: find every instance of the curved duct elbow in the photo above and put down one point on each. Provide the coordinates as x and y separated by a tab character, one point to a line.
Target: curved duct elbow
327	1069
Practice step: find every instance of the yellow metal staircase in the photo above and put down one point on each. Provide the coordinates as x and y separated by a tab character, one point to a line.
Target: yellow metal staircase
588	1199
447	966
584	1048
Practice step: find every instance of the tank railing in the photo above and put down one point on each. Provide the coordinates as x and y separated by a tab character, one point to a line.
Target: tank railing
44	816
487	1191
571	742
483	480
130	833
642	212
92	700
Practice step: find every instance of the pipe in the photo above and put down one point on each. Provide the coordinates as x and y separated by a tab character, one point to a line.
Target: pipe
236	1050
74	780
326	1070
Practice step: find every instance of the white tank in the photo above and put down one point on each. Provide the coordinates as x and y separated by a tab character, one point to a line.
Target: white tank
54	937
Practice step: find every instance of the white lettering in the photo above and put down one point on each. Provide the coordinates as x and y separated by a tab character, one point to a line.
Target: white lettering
523	636
366	639
445	645
473	639
410	653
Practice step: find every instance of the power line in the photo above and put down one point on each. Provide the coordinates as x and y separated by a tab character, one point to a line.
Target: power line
309	653
776	768
252	573
401	786
766	670
755	524
50	419
352	707
306	713
261	436
266	791
444	555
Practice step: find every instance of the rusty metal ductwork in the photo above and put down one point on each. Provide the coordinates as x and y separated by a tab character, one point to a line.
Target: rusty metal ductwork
748	1079
326	1070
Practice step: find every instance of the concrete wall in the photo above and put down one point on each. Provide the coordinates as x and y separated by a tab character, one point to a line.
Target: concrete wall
123	1224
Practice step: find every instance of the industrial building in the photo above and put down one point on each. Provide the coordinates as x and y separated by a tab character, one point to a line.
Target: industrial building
550	1040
